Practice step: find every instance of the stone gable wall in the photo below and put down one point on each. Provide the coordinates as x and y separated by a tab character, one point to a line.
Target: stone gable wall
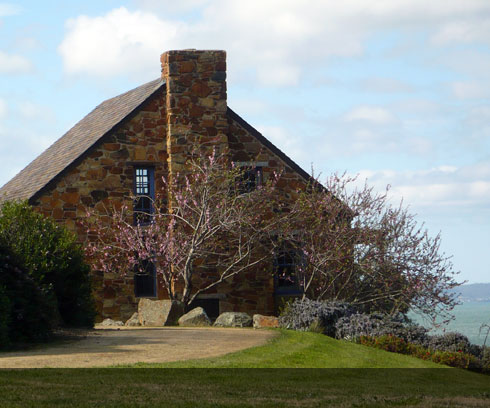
192	107
105	178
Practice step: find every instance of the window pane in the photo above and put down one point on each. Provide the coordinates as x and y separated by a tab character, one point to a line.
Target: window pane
286	281
250	179
144	191
145	280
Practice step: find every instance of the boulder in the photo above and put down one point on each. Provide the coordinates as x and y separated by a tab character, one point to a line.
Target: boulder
261	321
133	320
233	319
159	312
196	317
110	322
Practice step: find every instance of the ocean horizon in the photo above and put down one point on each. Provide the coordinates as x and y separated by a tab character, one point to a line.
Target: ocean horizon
469	317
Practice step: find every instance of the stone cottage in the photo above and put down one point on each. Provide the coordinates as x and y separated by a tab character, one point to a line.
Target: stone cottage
127	144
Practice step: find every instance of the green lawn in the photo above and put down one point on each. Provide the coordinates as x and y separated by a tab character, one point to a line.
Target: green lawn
396	381
304	350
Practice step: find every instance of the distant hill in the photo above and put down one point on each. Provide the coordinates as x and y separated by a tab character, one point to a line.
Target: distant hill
475	292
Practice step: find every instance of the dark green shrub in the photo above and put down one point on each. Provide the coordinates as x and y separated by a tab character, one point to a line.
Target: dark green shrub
31	309
52	258
4	318
305	314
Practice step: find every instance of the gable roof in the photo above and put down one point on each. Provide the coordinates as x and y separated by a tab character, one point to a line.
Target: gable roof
76	142
72	146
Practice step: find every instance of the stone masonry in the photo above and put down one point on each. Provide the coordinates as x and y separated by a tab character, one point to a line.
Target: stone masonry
191	107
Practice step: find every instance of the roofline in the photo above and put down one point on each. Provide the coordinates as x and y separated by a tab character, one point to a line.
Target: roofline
233	115
311	181
99	141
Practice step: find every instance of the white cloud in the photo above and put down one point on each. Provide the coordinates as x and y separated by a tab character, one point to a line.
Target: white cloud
171	7
119	42
444	186
471	62
372	114
277	40
7	9
18	147
287	142
465	31
14	64
470	89
30	110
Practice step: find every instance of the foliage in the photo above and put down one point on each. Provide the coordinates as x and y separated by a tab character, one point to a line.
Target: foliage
356	247
202	227
30	308
376	324
306	314
397	345
350	244
52	258
485	359
4	318
452	342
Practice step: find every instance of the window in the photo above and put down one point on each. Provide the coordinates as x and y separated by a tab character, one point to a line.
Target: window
145	280
250	179
286	281
144	190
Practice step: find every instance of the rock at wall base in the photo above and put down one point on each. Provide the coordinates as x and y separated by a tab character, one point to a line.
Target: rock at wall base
110	322
159	312
133	320
233	319
261	321
195	318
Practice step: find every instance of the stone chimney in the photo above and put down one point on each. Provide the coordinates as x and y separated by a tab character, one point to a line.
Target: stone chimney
196	102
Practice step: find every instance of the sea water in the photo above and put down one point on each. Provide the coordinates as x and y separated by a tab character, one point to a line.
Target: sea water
469	317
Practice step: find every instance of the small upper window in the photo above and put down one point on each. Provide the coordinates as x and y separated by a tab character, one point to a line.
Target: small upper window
250	179
144	191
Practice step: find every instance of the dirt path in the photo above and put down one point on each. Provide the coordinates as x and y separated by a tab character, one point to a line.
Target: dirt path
109	346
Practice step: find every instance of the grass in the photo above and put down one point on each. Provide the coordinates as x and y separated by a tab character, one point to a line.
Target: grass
293	349
253	379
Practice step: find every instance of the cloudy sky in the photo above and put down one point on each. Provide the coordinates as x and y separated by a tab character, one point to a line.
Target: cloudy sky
396	91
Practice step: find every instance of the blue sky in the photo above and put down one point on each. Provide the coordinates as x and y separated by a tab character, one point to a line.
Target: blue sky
395	91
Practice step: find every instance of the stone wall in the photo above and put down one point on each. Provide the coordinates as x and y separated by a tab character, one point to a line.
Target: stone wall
105	178
191	108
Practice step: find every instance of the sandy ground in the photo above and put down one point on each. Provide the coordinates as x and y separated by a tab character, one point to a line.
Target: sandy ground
110	346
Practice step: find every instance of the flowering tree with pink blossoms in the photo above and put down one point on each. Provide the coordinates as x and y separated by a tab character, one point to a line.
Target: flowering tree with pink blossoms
352	245
348	244
202	226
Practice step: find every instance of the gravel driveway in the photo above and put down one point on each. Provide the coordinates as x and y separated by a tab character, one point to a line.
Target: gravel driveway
109	346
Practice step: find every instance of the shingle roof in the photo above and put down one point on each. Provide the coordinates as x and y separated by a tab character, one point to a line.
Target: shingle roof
76	142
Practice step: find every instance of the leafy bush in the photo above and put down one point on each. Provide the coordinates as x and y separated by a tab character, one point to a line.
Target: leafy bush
305	314
31	310
452	342
52	258
376	325
397	345
4	318
485	359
